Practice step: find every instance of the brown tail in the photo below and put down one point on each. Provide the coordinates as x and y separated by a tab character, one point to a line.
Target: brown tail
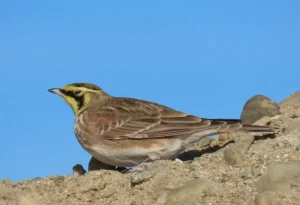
232	125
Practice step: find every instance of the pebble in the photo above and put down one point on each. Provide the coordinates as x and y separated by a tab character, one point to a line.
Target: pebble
204	142
226	177
223	137
289	157
78	170
292	158
246	172
145	171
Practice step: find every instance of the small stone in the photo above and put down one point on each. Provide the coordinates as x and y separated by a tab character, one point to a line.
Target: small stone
145	171
223	137
226	177
108	191
246	172
263	199
280	176
233	157
133	202
190	193
258	107
78	170
204	142
285	157
292	157
214	142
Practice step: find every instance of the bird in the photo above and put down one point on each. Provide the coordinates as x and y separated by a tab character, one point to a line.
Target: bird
125	132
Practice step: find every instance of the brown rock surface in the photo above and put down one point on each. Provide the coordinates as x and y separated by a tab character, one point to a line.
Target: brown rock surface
280	176
291	103
263	199
205	179
192	192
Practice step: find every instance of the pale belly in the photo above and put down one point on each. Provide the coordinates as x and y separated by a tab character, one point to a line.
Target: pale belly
125	153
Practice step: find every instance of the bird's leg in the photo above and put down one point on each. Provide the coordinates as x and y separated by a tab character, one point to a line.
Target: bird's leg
125	170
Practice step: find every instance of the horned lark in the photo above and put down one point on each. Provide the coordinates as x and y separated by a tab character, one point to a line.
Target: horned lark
126	132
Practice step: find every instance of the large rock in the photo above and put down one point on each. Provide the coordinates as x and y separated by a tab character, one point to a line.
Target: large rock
280	176
258	107
190	193
235	154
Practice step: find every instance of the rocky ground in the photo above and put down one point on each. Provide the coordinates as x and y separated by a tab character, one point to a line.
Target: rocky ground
235	169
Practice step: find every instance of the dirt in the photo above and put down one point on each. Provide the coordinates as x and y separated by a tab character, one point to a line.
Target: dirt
267	173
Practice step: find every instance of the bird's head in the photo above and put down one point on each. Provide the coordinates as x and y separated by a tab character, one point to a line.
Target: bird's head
78	95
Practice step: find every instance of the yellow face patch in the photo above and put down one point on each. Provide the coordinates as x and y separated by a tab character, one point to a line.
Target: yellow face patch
78	98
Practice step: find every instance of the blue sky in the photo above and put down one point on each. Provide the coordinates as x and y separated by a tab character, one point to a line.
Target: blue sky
202	57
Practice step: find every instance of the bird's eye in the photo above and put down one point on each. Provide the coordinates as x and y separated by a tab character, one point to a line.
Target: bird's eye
77	92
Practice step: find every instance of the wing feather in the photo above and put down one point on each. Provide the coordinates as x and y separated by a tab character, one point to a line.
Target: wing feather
126	118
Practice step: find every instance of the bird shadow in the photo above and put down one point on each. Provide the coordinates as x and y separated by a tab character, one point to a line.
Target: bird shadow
192	154
188	155
264	137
